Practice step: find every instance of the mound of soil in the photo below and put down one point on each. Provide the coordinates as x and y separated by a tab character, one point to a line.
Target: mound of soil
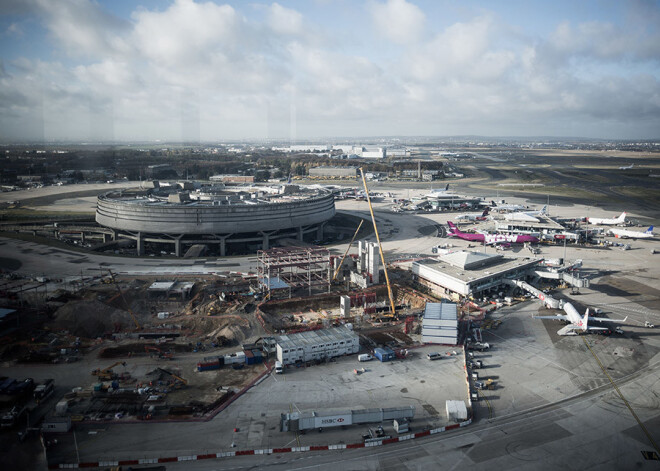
90	319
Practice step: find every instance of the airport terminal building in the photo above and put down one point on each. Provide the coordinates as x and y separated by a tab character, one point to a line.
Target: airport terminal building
465	274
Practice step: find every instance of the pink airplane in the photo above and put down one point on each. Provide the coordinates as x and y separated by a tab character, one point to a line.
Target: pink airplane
490	238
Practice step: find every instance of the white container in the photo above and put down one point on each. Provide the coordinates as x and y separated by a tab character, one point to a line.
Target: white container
365	357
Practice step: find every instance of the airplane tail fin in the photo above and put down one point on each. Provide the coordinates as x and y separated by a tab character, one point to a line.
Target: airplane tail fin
585	320
650	230
622	217
453	228
544	210
487	210
289	179
447	187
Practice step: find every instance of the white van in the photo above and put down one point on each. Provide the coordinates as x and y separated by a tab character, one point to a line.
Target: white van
433	356
279	369
365	357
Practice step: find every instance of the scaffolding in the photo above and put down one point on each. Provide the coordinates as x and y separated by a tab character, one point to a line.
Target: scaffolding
293	268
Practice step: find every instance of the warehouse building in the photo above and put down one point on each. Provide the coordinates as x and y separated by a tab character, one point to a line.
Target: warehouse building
342	172
440	324
317	345
462	274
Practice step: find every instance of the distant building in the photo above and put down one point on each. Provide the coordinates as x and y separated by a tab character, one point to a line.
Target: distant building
344	172
398	152
228	178
373	153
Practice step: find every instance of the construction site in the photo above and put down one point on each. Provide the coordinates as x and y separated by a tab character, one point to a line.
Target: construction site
142	345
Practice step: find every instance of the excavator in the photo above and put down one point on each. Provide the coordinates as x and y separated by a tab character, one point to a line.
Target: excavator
161	354
106	374
178	380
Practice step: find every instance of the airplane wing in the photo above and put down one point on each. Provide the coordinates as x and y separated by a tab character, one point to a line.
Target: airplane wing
604	319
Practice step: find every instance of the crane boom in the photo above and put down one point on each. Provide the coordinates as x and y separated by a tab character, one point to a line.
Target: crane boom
347	249
121	293
380	247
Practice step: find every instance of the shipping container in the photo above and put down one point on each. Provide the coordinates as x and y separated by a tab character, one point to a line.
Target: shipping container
249	357
384	354
208	366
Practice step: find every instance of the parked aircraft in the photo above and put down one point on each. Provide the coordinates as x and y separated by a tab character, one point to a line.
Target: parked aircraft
526	216
608	221
440	191
627	234
473	216
577	323
628	167
502	207
490	238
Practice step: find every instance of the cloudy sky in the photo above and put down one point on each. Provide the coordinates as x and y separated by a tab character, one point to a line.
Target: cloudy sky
177	70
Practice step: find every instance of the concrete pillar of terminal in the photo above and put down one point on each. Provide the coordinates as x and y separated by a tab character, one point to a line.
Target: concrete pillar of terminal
320	232
57	234
82	237
115	234
265	245
177	246
139	243
107	237
300	233
223	244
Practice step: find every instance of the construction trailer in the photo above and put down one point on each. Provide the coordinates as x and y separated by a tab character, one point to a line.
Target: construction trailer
317	345
293	268
300	421
456	411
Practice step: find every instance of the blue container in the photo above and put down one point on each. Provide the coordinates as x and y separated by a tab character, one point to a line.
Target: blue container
208	366
384	354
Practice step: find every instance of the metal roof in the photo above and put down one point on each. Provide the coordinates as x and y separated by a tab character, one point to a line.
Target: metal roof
162	285
316	337
442	311
468	260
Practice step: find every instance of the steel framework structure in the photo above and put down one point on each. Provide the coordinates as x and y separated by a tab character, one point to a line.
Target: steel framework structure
297	267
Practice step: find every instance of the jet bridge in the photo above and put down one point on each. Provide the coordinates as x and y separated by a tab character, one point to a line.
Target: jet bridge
568	278
548	300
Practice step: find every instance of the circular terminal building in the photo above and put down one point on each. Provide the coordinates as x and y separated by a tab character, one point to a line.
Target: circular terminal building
234	219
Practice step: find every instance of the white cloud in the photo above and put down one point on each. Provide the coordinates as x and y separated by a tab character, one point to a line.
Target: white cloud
284	20
14	29
83	28
241	76
398	20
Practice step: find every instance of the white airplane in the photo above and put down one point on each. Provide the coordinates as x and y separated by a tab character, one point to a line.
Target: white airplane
628	167
578	324
507	207
526	216
609	221
473	216
441	191
627	234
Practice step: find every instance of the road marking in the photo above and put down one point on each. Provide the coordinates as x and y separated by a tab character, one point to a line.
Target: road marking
490	409
625	401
